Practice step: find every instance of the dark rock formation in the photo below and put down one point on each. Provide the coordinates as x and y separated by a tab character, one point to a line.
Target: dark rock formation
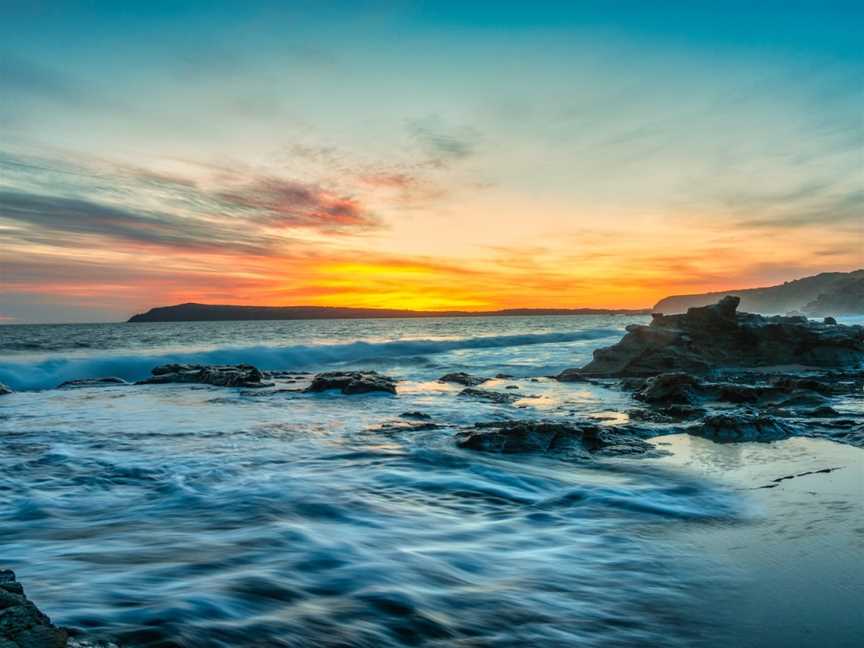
578	440
93	382
5	390
217	375
488	395
352	382
717	337
462	378
22	624
725	428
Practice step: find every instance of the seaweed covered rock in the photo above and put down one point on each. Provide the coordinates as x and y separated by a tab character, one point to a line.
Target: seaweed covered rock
727	428
352	382
571	440
22	624
501	398
216	375
718	337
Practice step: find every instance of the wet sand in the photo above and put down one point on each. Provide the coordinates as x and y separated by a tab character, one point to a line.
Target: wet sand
797	561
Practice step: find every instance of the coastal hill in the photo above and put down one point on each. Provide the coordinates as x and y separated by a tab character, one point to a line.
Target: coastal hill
218	313
828	293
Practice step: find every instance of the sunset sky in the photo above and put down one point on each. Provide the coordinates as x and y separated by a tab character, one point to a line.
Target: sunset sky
422	155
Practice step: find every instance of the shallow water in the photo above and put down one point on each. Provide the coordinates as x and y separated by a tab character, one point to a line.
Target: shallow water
179	515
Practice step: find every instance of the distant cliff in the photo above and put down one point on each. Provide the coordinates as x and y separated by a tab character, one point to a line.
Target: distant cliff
829	293
216	313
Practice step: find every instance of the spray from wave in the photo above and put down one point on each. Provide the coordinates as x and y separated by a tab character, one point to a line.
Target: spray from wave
47	373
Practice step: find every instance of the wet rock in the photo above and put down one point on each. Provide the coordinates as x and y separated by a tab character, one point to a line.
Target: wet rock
216	375
488	395
352	382
503	376
830	321
717	336
571	440
728	428
93	382
462	378
5	390
22	624
417	415
675	387
572	375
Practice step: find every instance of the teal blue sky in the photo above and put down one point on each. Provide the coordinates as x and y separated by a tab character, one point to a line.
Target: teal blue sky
566	154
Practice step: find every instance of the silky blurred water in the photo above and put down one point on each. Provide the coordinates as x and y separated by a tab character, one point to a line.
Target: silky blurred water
178	515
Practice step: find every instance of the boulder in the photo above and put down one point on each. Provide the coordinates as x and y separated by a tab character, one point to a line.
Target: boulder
352	382
727	428
93	382
718	337
5	390
216	375
462	378
22	624
572	440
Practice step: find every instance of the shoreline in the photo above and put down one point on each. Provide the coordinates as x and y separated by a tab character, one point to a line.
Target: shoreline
797	561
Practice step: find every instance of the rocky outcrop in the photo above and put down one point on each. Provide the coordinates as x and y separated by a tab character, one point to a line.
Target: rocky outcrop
5	390
352	382
22	624
92	382
726	428
576	440
718	337
462	378
216	375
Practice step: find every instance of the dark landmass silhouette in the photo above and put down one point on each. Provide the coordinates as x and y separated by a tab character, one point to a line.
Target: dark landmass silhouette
218	313
828	293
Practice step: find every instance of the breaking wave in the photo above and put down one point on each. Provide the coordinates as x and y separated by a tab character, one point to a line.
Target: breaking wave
48	372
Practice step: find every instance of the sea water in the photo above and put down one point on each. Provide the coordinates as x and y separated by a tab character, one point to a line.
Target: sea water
189	515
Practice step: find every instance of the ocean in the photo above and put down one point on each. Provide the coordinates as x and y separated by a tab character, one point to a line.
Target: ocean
197	516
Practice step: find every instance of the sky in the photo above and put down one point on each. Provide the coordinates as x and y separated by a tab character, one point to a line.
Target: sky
429	155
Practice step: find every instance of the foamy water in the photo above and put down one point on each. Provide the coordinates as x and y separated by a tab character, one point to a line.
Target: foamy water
178	515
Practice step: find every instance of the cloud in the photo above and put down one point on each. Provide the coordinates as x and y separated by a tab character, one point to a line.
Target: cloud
286	203
442	143
52	215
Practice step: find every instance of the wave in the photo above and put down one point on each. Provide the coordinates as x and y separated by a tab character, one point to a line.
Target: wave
49	372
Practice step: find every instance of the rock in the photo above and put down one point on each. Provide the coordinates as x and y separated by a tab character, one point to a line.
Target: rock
726	428
830	321
717	336
93	382
488	395
572	375
352	382
675	387
570	440
217	375
462	378
22	624
420	416
503	376
5	390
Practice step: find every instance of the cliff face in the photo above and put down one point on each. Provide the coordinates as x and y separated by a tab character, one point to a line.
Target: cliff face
829	293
